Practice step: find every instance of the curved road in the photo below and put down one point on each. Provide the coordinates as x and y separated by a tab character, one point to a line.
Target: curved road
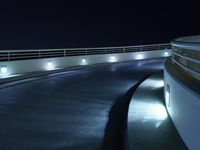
69	111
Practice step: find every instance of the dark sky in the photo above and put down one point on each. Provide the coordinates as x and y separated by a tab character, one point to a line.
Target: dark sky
32	24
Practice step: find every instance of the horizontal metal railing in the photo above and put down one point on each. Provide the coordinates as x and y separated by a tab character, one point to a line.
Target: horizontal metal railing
187	59
13	55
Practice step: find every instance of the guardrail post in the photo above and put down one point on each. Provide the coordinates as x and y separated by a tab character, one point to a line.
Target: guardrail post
8	56
39	54
46	53
64	52
141	48
159	47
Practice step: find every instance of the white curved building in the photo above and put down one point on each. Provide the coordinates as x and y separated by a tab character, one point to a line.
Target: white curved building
182	88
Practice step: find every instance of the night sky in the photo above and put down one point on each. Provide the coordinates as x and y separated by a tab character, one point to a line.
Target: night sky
33	24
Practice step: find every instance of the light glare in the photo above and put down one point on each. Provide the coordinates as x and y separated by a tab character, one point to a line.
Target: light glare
83	60
50	65
4	69
159	112
166	53
113	59
139	56
155	83
148	111
167	95
167	98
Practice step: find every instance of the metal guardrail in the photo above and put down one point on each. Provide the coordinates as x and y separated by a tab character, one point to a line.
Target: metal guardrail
13	55
187	59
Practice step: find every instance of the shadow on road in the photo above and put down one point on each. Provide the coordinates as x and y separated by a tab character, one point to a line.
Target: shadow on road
115	131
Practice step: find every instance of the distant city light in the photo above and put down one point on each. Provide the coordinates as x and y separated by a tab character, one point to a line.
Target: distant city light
4	69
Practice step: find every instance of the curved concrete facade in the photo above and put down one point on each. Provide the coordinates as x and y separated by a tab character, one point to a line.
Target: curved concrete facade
181	98
184	110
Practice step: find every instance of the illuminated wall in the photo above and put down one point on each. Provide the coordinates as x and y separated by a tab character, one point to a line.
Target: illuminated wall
9	68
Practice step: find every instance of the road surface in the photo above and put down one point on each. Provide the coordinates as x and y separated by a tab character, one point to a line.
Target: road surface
68	111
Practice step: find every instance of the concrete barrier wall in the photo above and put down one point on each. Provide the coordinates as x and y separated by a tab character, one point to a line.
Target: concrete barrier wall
183	106
24	66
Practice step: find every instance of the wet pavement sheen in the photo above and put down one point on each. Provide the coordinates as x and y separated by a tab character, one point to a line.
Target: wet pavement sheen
69	111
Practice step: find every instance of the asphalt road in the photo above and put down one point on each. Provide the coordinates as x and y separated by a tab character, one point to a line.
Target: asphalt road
69	111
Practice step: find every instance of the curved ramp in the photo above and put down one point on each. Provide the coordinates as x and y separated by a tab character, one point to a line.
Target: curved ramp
149	126
68	111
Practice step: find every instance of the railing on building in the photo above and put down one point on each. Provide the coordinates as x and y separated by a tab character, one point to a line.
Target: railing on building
182	88
187	56
13	55
184	62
